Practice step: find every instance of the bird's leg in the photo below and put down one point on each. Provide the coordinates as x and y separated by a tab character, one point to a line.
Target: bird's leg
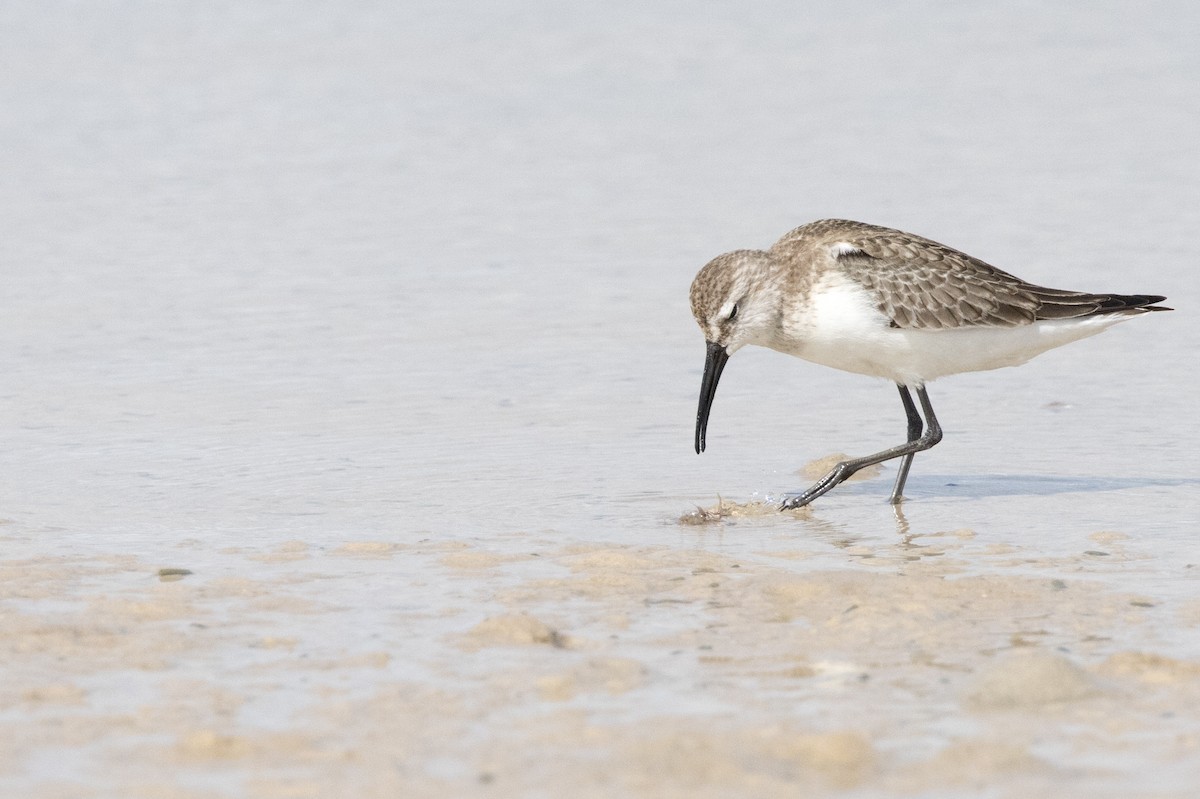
914	432
923	441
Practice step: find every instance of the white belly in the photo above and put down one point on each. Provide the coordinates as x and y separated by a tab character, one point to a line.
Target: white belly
842	329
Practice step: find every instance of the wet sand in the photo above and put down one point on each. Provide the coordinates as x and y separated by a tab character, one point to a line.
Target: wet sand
911	669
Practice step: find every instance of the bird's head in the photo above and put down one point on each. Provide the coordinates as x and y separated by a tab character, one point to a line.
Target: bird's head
735	299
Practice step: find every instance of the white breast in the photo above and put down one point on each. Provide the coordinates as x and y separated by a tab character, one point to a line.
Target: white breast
839	326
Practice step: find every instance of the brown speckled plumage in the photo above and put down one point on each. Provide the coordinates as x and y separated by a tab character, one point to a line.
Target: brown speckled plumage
923	285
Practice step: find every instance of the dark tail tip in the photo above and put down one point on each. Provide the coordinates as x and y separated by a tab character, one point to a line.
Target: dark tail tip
1113	303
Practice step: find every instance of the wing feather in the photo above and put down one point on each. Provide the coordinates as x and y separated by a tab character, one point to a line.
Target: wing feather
923	285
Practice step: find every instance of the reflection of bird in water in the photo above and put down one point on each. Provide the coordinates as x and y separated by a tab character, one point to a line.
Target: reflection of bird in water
902	525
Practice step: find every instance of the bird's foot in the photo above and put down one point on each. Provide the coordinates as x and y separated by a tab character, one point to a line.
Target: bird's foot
793	501
837	475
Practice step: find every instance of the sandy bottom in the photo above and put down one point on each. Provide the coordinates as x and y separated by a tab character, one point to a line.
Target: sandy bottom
521	667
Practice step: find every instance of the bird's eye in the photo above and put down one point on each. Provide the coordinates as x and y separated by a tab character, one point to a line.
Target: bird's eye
733	312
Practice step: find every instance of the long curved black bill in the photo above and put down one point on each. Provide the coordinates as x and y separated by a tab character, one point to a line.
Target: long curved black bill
714	363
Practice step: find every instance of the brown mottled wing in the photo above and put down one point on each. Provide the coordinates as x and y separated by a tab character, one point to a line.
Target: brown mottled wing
923	285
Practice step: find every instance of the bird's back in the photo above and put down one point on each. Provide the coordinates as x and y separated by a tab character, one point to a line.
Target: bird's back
921	284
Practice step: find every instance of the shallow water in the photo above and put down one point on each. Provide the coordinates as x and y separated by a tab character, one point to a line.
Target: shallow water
375	319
